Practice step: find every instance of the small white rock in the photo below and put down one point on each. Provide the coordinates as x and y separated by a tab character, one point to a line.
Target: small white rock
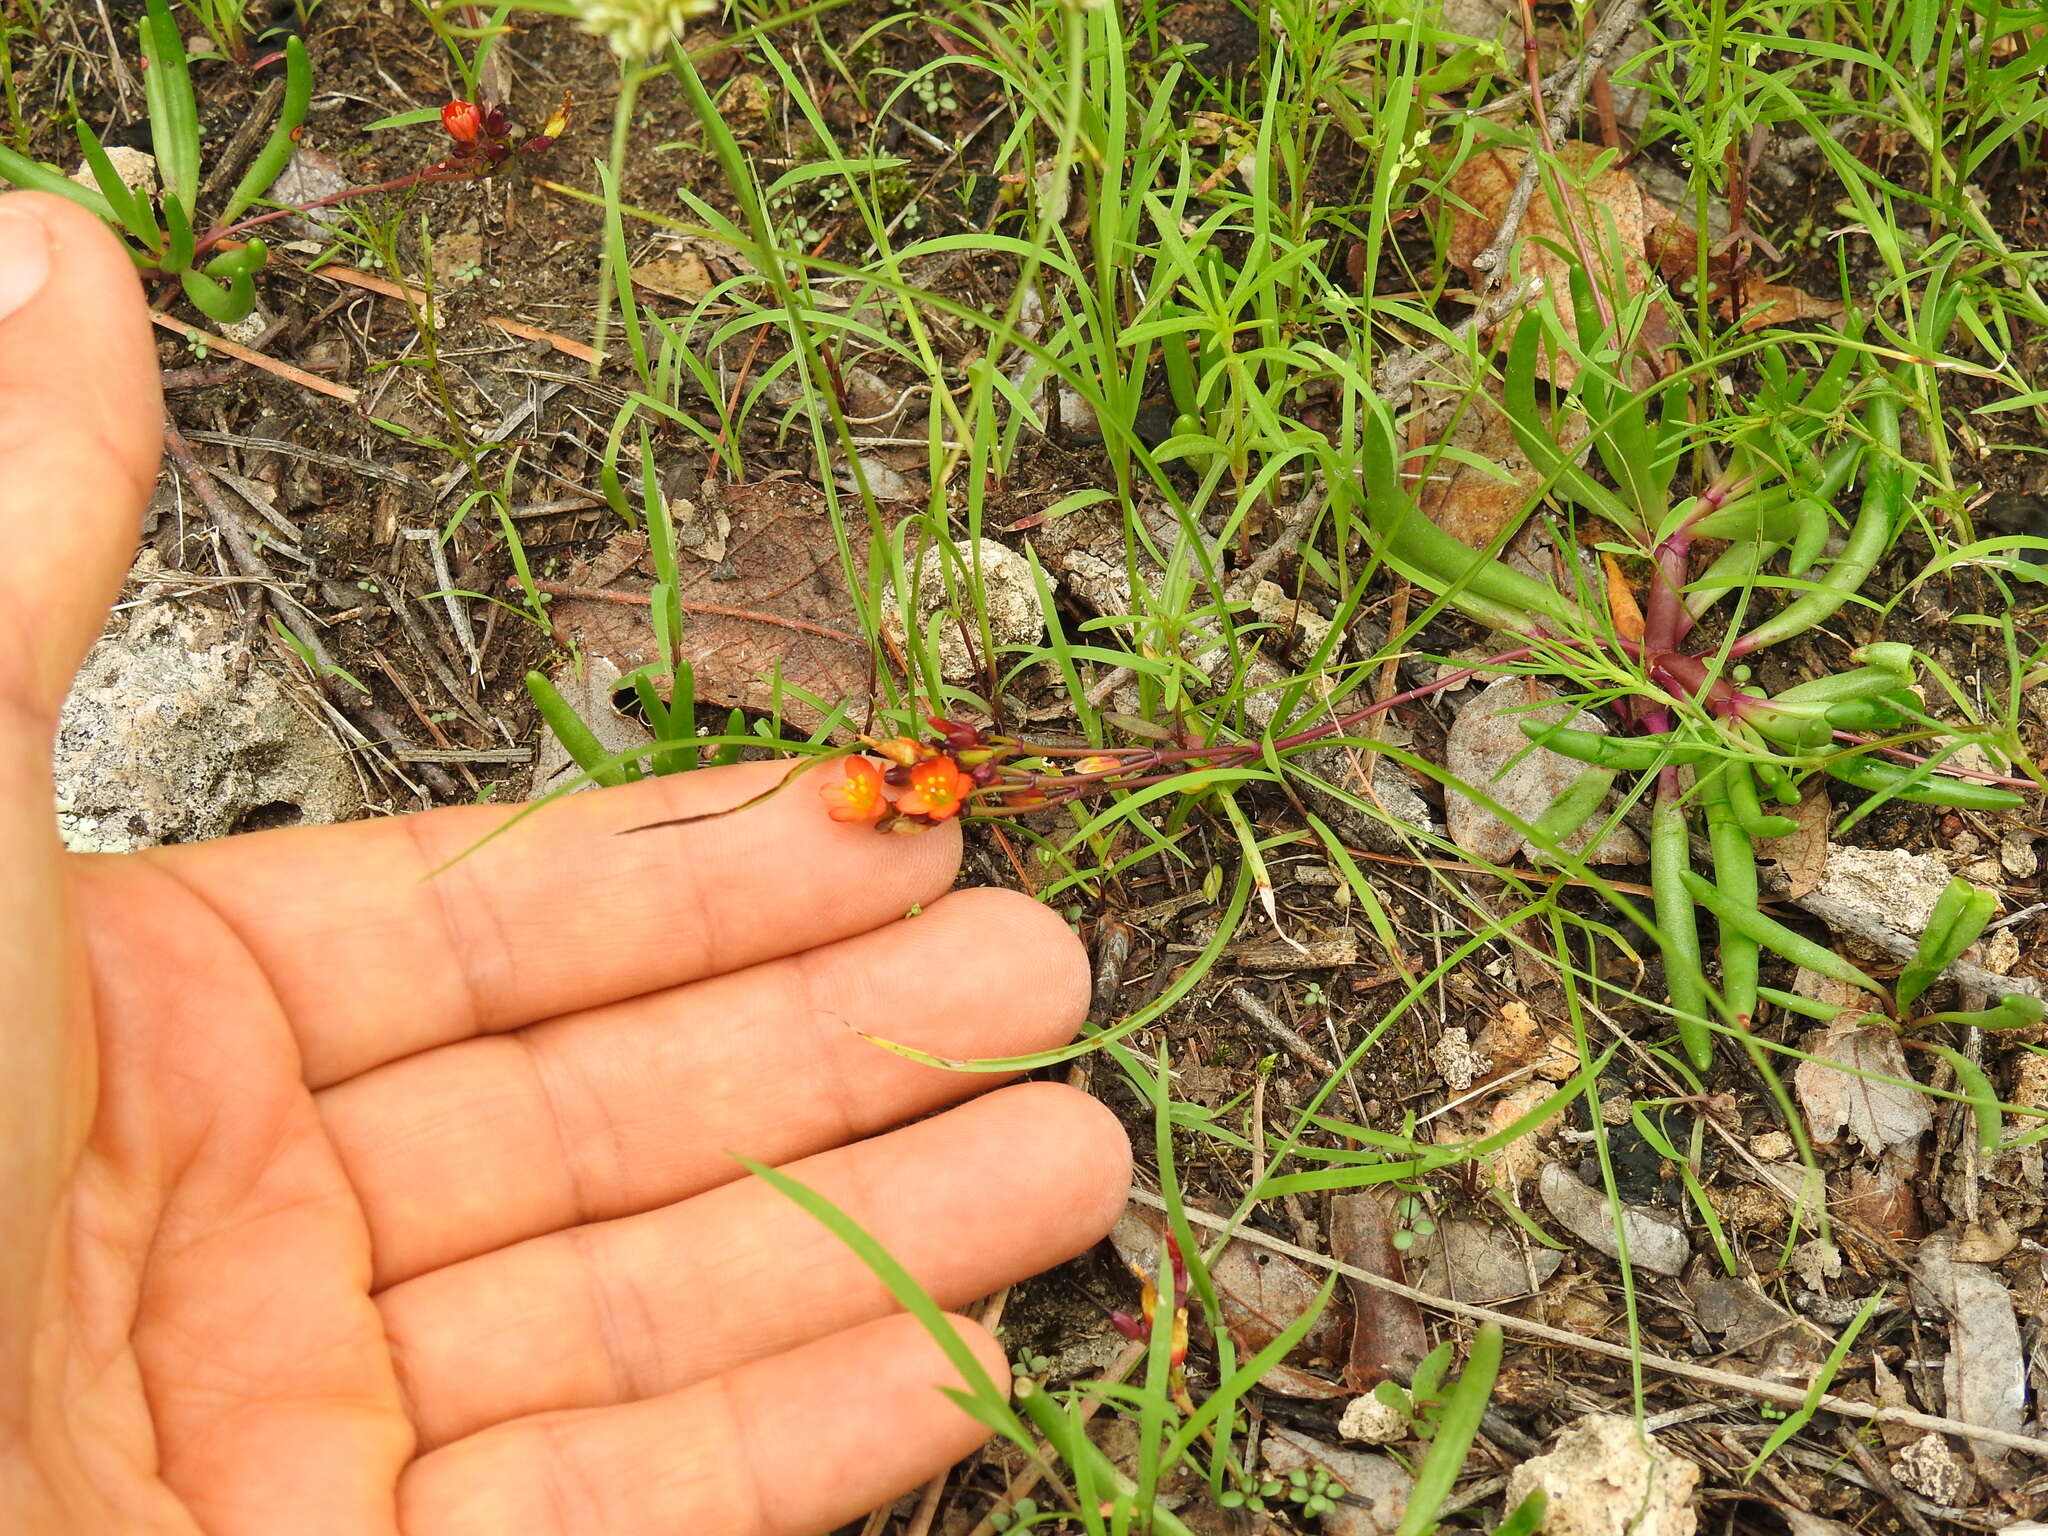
248	330
1897	887
1605	1478
1014	617
135	167
2016	853
164	739
1772	1146
1372	1422
1455	1060
1931	1469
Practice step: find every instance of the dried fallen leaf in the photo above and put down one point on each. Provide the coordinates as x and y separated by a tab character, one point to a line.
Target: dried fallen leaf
1606	212
1475	490
1388	1335
1521	1158
1377	1488
677	277
1621	602
1261	1294
776	608
1513	1038
1882	1200
1766	304
1802	856
1655	1241
1846	1098
1984	1380
1487	750
1474	1261
1736	1310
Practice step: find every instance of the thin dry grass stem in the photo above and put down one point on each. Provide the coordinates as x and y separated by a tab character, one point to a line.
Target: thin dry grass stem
241	354
1747	1386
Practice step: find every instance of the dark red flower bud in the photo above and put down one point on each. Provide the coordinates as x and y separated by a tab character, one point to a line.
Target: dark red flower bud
983	773
1128	1326
462	120
897	775
952	732
496	124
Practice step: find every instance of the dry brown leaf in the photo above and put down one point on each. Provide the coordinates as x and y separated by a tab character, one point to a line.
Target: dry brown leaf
776	606
1607	211
1475	1261
683	277
1880	1199
1621	601
1852	1102
1780	304
1984	1380
1655	1240
1521	1158
1513	1038
1802	856
1261	1293
1388	1335
1736	1310
1474	502
1487	750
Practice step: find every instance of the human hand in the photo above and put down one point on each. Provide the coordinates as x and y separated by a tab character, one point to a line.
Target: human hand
341	1198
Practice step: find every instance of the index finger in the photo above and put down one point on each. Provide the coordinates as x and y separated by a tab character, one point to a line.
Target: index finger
382	939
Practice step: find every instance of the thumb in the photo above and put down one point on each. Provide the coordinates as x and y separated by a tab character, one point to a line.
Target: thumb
81	422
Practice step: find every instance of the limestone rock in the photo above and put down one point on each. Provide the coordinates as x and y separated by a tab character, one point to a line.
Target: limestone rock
1014	617
1605	1478
162	740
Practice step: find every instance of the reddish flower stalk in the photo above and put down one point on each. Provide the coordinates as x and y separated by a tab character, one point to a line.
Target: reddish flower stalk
482	139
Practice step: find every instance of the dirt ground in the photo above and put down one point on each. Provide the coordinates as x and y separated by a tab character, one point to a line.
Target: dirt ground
351	478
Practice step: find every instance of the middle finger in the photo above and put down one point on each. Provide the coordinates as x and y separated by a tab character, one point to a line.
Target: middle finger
624	1108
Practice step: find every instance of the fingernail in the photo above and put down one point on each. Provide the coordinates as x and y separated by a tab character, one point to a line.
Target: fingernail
24	259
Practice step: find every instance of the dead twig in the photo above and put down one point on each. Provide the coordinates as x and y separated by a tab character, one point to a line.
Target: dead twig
1400	372
1289	1037
1571	83
255	359
241	149
1882	1480
1748	1386
645	600
366	715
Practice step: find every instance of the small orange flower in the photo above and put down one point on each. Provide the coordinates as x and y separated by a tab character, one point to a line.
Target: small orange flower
937	789
462	120
1100	763
857	795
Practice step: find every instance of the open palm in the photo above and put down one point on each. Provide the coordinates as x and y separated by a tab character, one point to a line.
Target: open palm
339	1195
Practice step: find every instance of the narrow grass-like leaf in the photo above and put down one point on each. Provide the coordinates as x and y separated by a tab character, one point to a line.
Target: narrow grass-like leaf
1974	1086
1457	1425
583	747
1824	1378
